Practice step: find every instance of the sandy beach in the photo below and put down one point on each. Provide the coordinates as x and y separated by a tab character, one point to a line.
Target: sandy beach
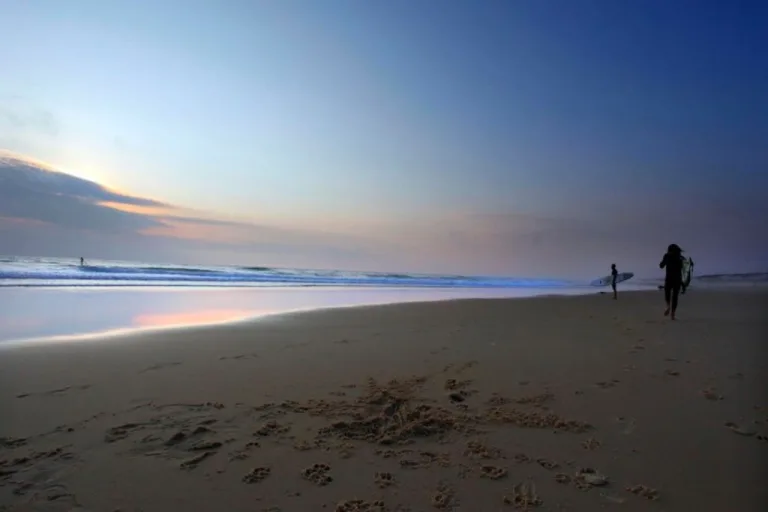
549	403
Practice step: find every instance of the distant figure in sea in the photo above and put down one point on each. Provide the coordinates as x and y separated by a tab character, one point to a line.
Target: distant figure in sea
82	261
687	273
614	276
673	281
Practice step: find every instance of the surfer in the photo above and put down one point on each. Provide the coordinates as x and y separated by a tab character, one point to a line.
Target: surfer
614	276
82	261
673	281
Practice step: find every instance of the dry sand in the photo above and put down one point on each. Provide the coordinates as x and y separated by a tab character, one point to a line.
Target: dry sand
573	403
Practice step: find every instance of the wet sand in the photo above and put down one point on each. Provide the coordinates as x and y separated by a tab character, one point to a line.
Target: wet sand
557	403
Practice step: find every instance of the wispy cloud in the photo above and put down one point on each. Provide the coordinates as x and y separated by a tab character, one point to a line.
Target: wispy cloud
18	116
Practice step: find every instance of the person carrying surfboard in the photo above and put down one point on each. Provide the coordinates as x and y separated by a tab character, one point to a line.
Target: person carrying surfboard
672	262
614	276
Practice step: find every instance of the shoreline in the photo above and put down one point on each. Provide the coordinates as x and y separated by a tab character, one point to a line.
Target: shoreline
237	308
447	404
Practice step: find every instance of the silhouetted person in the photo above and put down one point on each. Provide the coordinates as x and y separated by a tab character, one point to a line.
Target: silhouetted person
673	263
614	276
82	261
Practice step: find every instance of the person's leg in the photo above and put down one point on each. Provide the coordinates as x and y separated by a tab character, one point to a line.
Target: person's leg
667	296
613	285
675	293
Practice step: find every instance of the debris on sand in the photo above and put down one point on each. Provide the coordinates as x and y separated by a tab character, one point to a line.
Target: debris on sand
387	414
535	419
587	478
742	431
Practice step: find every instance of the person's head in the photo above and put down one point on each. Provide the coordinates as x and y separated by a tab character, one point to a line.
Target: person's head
613	266
674	249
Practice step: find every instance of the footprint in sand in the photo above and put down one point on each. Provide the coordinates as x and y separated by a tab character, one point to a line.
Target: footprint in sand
646	492
444	497
591	444
523	496
548	464
160	366
628	425
239	357
492	472
318	474
192	463
56	392
361	506
384	480
256	475
712	394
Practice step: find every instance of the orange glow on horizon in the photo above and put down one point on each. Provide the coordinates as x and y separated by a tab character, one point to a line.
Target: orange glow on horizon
138	209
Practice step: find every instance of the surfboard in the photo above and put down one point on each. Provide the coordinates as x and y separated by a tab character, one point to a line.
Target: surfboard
686	270
605	281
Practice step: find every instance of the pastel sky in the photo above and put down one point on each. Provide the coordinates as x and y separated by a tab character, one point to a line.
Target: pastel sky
547	137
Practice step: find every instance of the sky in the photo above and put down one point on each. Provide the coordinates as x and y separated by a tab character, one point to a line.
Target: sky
527	138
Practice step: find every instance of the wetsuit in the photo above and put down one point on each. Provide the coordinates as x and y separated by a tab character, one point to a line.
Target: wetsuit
614	276
673	263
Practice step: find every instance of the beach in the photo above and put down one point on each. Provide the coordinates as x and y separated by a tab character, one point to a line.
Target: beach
544	403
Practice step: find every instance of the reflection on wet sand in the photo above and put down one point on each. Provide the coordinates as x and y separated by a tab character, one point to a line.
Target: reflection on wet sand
204	317
45	313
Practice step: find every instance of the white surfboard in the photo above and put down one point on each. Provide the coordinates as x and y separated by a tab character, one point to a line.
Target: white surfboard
605	281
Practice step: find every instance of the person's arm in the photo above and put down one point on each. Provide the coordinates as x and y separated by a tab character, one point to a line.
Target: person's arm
663	262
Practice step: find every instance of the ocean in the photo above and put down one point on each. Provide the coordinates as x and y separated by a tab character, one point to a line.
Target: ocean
57	272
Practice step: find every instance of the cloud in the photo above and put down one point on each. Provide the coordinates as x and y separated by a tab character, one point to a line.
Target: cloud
30	190
42	209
